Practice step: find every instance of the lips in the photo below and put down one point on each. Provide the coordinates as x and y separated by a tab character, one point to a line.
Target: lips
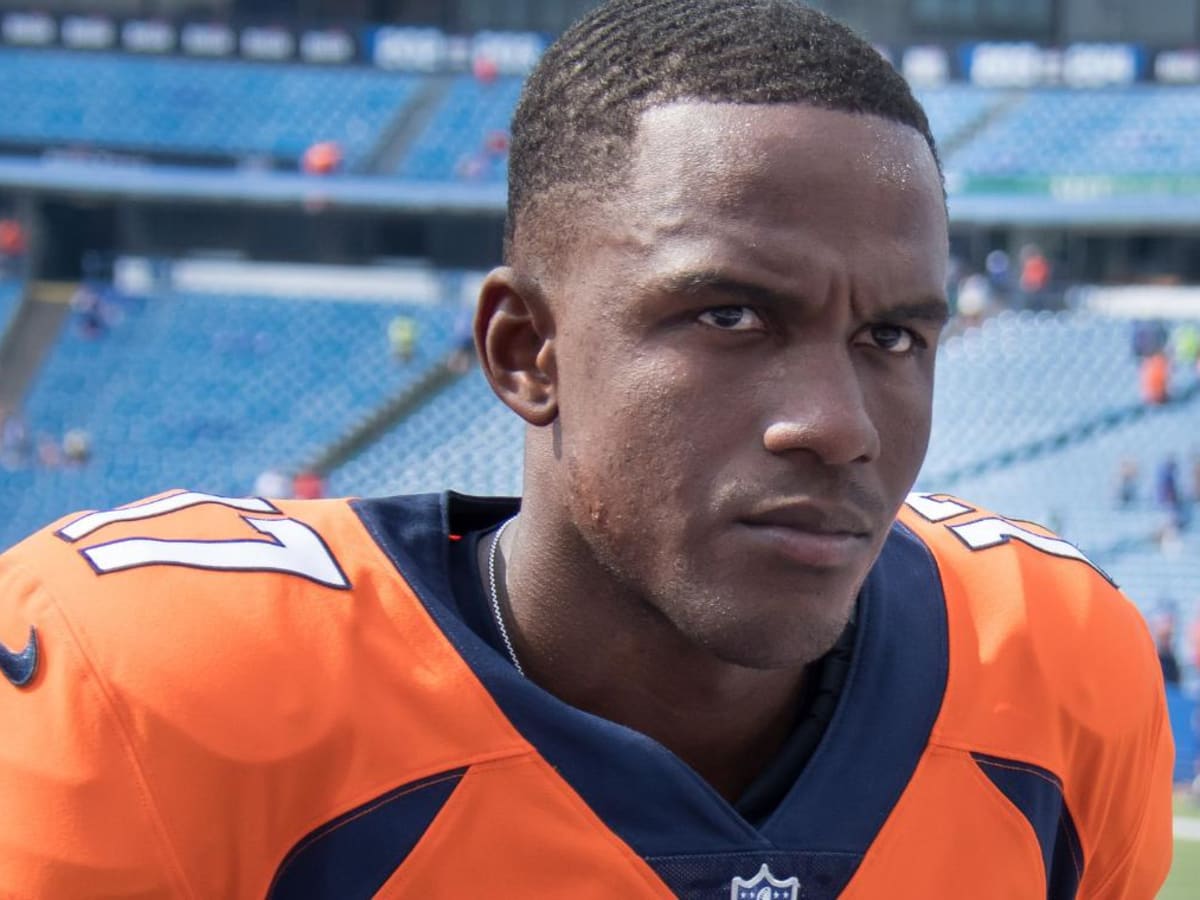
812	517
809	534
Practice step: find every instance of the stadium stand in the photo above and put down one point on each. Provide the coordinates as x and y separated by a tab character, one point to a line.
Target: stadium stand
208	391
1162	581
455	143
233	109
1139	130
461	438
240	109
1074	488
1024	377
955	109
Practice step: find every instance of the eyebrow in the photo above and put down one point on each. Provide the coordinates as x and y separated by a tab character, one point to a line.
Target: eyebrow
701	281
933	309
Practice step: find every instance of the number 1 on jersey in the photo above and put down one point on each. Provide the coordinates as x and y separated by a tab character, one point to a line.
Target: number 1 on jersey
293	548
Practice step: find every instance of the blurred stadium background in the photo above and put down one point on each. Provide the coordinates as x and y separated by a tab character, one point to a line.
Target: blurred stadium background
239	244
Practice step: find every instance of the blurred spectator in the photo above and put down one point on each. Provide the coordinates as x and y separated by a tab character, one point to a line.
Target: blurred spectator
1168	494
77	447
1167	482
272	484
1035	274
974	298
402	337
999	273
1164	642
1127	482
15	448
49	453
88	308
323	158
471	167
12	246
496	143
485	69
463	353
308	485
1147	338
1186	344
1155	377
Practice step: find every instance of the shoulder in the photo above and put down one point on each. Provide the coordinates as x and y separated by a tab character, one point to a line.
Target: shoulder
233	628
188	593
200	659
1038	632
1017	570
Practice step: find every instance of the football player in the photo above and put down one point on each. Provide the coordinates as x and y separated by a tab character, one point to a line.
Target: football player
714	652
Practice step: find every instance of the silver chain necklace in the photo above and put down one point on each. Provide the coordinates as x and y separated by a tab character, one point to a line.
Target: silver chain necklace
495	597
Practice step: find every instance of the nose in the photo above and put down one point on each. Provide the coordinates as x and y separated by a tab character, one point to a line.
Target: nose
823	411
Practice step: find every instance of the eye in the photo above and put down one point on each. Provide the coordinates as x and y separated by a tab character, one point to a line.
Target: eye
891	338
732	318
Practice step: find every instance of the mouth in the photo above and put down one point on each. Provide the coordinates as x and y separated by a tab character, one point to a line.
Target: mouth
810	535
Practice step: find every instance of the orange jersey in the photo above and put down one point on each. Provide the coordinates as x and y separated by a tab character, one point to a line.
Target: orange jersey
230	698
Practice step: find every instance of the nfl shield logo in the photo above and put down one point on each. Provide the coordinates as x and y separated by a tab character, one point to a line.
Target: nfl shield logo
765	886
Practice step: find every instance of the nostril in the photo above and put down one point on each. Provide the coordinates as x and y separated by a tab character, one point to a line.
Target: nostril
836	438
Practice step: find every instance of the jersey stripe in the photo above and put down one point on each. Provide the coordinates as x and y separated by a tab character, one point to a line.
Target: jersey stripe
1037	793
355	854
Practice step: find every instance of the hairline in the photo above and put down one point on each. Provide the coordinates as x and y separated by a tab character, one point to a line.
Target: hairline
584	193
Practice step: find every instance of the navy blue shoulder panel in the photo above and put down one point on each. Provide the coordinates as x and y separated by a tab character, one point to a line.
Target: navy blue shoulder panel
353	856
1037	793
892	697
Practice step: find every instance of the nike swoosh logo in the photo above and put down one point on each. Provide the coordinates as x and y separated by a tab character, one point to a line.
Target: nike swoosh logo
19	668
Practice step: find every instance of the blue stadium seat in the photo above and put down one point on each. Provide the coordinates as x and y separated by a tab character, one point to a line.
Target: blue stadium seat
208	391
952	109
454	145
463	438
1139	130
203	107
1023	377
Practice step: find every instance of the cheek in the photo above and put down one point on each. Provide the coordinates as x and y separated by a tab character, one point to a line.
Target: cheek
631	450
902	412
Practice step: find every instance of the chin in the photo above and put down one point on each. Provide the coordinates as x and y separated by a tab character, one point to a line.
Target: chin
773	644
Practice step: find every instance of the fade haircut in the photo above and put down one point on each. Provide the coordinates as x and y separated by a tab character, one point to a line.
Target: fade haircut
575	123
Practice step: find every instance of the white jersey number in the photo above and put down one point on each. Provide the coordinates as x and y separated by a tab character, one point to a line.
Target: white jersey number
993	531
293	548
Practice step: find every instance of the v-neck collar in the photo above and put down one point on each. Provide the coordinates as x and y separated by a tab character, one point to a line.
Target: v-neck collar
644	793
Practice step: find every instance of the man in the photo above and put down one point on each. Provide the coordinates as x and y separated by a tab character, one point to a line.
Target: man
704	660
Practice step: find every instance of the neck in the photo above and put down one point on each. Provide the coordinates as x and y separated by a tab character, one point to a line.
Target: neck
587	640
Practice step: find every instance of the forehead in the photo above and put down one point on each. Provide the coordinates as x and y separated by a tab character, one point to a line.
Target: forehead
779	186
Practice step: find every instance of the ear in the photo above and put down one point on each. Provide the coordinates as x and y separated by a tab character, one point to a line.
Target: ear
514	337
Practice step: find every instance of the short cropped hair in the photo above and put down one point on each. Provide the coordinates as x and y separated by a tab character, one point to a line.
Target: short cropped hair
578	113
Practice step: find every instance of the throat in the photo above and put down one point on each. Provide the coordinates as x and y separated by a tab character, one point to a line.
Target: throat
732	764
729	732
622	660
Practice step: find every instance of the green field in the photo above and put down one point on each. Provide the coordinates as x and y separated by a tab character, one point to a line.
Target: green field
1184	880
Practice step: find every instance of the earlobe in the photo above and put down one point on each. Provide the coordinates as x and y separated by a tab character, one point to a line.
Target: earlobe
514	334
